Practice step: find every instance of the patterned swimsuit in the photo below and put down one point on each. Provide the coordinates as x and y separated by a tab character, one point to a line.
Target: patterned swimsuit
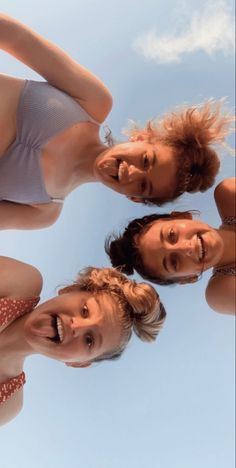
10	310
227	270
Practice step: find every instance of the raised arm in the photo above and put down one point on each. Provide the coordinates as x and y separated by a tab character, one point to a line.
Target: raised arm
17	216
220	291
220	294
58	68
225	197
19	279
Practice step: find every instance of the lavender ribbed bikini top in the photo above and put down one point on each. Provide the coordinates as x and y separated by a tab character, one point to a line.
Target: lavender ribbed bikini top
43	112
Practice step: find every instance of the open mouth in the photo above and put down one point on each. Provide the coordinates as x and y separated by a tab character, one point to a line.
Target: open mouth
115	175
57	326
119	171
201	248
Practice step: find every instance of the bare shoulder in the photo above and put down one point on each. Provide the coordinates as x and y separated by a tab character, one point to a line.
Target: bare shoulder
19	279
11	408
220	294
225	197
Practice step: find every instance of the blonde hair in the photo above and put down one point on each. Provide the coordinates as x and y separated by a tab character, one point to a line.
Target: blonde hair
191	132
139	308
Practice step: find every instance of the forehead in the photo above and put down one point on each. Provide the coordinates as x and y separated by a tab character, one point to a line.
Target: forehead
148	243
163	176
107	307
155	226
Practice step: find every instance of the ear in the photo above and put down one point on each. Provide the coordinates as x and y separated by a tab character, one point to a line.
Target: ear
188	280
136	199
181	215
136	138
78	364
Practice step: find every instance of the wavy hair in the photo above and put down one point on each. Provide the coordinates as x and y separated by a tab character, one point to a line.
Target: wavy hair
192	132
139	307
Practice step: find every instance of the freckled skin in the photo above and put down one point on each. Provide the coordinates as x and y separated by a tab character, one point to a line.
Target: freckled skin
100	322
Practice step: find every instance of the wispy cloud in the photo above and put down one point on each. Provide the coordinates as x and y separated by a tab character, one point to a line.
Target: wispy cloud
210	31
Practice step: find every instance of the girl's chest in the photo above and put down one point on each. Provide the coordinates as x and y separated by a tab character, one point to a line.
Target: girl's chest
62	155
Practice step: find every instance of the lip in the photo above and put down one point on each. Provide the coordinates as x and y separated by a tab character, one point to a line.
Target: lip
51	329
60	328
202	247
109	166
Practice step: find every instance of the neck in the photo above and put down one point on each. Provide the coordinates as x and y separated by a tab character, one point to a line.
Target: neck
13	346
228	238
83	169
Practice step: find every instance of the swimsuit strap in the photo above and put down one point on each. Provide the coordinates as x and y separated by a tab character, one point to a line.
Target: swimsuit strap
225	270
58	200
11	309
8	388
229	220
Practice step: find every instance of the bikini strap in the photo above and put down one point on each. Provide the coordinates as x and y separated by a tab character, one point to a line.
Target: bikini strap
8	388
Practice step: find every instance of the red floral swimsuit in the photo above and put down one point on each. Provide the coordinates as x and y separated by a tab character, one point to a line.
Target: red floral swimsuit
10	310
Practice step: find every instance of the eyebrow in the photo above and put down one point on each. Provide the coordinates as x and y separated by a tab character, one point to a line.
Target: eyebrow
154	159
99	338
164	261
150	186
150	189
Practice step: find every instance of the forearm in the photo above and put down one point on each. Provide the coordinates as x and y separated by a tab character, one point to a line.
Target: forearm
17	216
56	66
29	47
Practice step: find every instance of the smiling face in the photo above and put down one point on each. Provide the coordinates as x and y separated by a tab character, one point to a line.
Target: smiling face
138	169
75	326
179	248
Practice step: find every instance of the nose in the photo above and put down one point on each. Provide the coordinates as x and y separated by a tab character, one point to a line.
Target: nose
78	326
133	173
185	247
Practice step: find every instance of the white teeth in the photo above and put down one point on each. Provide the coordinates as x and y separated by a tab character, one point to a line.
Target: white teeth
120	171
60	329
200	248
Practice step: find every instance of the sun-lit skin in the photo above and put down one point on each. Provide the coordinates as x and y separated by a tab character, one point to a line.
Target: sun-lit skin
138	169
180	248
88	323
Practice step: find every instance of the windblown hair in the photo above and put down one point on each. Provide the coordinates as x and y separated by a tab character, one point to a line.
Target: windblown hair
124	252
139	308
191	133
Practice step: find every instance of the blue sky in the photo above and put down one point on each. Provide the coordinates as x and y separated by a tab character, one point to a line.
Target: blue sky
169	404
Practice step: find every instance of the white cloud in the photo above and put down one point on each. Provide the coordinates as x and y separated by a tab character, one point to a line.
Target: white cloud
210	30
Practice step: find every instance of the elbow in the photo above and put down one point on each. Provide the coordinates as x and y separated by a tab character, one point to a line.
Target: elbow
224	188
220	304
109	103
104	107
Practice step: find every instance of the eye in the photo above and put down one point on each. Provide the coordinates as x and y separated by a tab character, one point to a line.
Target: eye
172	236
145	161
174	261
89	340
84	311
